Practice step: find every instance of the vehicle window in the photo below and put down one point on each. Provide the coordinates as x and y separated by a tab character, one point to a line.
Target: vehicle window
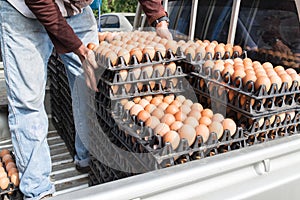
213	19
130	19
179	14
110	22
270	27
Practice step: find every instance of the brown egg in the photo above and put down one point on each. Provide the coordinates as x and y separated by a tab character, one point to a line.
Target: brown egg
229	48
180	116
150	108
276	79
287	78
191	51
136	99
230	125
15	179
168	119
207	112
197	106
217	117
129	105
113	57
191	121
188	102
160	68
220	48
161	129
205	120
158	112
263	80
238	73
3	152
152	122
202	130
137	53
91	46
160	48
163	106
210	49
143	115
187	132
201	50
150	50
4	182
217	128
176	125
237	48
168	99
148	70
185	109
156	101
125	54
136	109
143	103
176	103
173	138
172	109
172	66
291	71
248	78
172	45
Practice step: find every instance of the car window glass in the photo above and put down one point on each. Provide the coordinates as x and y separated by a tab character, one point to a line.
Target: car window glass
130	19
111	22
213	18
269	30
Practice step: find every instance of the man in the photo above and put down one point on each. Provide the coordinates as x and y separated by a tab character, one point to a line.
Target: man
29	30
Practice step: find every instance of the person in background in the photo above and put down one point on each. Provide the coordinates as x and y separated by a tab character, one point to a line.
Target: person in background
29	31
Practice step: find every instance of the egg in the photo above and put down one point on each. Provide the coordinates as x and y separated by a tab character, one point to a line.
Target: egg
202	130
237	48
277	80
150	51
195	114
137	53
125	54
156	101
176	125
15	179
148	97
230	125
143	115
161	129
136	109
172	109
168	99
173	138
152	122
188	132
160	48
4	182
176	103
168	119
205	120
160	68
248	78
185	108
129	105
136	99
158	112
229	49
163	105
217	128
150	108
113	57
201	51
148	70
197	106
287	79
262	80
172	66
207	112
180	116
191	121
3	152
143	103
180	98
191	51
171	45
217	117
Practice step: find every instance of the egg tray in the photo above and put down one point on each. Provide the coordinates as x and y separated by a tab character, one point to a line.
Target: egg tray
200	60
107	92
105	62
255	104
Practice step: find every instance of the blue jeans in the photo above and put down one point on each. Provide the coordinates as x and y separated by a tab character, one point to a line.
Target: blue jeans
26	49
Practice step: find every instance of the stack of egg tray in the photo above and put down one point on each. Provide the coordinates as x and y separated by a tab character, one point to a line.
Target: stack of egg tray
119	140
12	192
114	87
247	106
61	102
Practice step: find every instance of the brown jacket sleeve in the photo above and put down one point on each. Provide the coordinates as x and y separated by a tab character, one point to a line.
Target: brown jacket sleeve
153	9
61	34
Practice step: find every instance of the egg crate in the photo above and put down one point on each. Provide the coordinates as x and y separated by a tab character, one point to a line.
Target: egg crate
269	122
199	59
11	193
255	103
105	62
134	91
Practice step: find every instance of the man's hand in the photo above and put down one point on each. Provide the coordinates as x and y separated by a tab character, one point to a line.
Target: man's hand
163	31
